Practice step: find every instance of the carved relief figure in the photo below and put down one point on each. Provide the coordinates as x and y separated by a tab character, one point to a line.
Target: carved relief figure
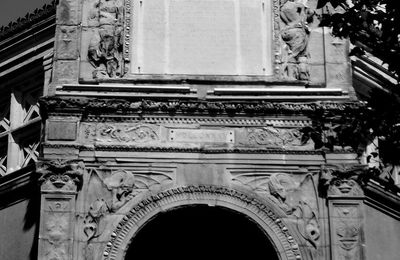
121	184
292	197
105	48
295	15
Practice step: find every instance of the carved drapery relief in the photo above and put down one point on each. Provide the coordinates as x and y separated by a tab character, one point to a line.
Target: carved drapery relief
298	199
295	33
60	175
120	133
278	137
106	46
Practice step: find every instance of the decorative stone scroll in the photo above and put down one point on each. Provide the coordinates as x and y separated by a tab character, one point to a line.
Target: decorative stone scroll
278	137
278	231
120	133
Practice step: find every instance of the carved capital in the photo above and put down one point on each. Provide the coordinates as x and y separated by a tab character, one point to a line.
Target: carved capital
60	175
343	181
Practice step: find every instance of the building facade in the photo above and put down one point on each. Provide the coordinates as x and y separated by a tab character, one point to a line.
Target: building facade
165	127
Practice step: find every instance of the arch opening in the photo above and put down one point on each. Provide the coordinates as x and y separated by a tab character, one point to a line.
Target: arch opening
201	232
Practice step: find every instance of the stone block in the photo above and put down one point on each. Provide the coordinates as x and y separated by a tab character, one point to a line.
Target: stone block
66	71
315	46
61	130
336	49
90	13
67	42
68	12
338	75
317	74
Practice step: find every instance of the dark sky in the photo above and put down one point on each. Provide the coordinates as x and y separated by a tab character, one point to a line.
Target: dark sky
10	10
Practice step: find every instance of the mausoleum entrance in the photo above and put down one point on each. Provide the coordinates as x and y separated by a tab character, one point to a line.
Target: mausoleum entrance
201	232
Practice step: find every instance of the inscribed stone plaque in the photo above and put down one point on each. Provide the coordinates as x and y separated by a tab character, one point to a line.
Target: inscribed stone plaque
203	37
201	136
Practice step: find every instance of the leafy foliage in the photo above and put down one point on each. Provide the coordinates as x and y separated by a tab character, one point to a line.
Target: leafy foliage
371	25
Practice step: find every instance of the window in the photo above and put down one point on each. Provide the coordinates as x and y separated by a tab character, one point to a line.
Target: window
19	126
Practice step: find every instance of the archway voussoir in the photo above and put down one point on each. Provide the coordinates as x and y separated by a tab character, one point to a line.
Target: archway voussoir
258	210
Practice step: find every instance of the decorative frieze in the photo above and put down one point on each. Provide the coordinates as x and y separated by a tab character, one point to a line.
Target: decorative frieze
278	137
118	106
120	133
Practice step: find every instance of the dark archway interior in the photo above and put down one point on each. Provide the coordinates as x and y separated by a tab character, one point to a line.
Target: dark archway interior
201	232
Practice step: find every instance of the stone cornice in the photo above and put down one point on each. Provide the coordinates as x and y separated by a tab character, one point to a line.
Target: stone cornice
205	150
193	107
26	22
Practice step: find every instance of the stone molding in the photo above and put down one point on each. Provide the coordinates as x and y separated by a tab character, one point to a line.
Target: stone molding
206	150
119	106
274	225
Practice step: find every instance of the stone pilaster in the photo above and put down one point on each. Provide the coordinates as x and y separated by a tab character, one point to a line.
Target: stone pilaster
60	182
346	211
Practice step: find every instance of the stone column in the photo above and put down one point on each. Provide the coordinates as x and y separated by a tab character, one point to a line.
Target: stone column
60	182
346	211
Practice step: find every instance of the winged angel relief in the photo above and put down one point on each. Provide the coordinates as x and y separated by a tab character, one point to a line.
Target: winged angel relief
113	190
298	199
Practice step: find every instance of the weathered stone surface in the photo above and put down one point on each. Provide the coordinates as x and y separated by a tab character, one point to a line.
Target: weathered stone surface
66	71
61	131
68	12
67	42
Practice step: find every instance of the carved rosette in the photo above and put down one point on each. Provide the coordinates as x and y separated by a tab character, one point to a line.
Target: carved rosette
61	176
